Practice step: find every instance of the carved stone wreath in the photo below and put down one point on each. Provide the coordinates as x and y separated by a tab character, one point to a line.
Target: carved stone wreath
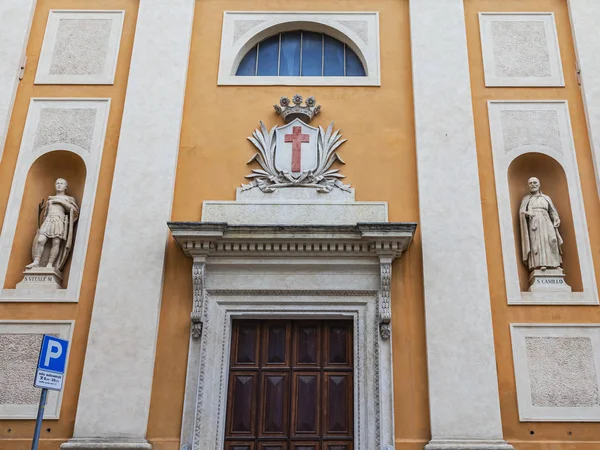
269	178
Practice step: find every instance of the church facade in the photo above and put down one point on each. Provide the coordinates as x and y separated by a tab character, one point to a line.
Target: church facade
302	225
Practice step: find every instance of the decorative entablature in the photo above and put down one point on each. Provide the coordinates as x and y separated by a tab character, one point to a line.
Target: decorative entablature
207	241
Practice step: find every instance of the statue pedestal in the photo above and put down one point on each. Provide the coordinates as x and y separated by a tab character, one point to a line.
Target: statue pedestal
548	280
41	278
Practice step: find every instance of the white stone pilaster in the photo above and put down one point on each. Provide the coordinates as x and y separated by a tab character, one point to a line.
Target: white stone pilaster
585	17
15	23
463	385
115	391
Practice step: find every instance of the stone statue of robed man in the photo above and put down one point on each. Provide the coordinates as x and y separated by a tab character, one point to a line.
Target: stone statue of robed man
53	241
540	239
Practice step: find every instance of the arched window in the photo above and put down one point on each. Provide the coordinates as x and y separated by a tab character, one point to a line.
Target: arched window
301	53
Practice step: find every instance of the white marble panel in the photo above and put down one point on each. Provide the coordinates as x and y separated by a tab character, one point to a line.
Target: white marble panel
242	30
77	125
15	23
20	343
585	17
286	274
463	385
556	370
80	47
517	128
294	212
114	400
520	49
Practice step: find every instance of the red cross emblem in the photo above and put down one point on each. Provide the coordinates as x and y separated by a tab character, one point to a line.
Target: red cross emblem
297	138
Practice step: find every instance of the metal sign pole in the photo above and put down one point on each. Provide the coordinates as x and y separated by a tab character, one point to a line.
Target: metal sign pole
49	374
38	421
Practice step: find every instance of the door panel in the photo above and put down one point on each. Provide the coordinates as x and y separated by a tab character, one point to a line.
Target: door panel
337	390
307	346
306	410
242	402
290	386
275	390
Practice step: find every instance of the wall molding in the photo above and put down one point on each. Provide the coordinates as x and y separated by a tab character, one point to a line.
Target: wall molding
557	372
520	49
89	147
28	410
60	62
558	145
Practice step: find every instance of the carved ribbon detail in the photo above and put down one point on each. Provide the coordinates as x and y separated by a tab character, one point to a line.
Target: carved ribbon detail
198	277
385	308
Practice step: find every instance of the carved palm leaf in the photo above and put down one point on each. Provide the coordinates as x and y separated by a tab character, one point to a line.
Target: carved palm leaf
328	143
264	141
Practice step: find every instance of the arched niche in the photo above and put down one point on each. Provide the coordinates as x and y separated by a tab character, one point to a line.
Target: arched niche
39	185
554	184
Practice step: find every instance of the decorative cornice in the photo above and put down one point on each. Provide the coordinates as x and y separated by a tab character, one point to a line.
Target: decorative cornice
384	241
373	239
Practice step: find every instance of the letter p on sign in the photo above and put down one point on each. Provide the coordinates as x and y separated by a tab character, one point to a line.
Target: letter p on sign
51	363
54	351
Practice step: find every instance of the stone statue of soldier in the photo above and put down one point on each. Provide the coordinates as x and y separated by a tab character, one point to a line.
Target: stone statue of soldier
53	241
541	241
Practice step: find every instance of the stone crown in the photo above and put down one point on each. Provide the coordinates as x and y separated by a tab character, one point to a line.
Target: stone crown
296	110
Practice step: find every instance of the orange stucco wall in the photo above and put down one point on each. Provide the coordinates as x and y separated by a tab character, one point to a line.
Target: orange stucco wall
380	165
16	434
531	436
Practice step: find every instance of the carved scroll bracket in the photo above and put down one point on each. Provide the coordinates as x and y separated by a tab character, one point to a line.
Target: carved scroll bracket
199	284
385	305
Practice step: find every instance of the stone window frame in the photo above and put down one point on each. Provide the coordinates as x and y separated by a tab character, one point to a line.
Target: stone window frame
64	330
242	30
528	412
556	78
43	75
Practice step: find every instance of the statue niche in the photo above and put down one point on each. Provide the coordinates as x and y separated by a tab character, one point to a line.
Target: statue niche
541	241
53	240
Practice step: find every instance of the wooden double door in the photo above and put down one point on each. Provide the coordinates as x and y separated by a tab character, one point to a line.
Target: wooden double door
290	386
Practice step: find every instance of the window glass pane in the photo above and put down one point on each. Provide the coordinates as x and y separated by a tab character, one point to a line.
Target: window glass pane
354	67
334	58
247	67
268	55
312	54
289	65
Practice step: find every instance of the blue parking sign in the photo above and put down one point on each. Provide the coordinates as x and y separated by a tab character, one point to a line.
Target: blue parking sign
52	361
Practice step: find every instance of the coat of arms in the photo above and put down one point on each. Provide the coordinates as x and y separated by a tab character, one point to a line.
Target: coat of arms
296	154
